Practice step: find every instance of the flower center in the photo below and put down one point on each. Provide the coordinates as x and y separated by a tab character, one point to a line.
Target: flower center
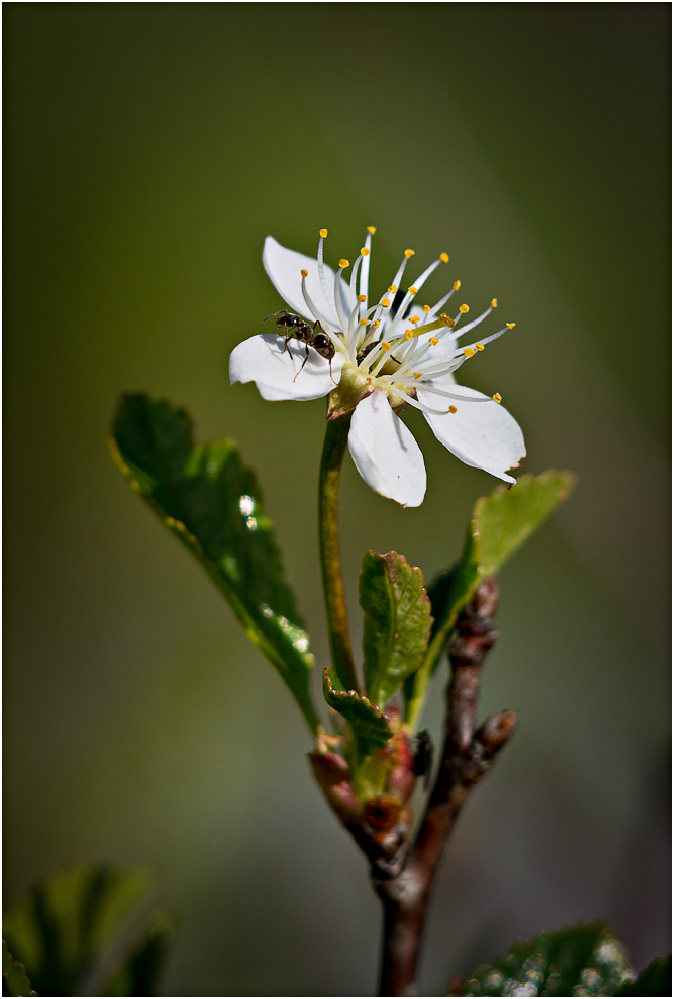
389	346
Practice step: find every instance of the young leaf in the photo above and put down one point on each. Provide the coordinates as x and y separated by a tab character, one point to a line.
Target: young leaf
583	959
370	725
397	622
501	522
58	929
14	980
655	980
213	503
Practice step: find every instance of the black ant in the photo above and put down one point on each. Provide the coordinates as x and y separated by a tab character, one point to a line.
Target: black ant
295	328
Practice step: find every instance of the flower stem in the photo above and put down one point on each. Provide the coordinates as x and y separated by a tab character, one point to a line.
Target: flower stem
334	446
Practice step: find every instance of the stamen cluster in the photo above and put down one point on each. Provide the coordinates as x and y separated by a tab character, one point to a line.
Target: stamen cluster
390	346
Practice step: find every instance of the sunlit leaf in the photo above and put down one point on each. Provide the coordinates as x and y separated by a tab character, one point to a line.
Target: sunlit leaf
397	622
207	497
370	725
500	524
585	959
57	930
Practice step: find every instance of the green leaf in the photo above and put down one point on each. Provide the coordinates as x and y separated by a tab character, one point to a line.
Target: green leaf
14	980
370	725
501	522
206	496
583	959
655	980
140	973
397	622
504	520
58	929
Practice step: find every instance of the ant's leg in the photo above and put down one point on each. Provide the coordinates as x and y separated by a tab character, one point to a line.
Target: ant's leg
306	358
330	366
288	339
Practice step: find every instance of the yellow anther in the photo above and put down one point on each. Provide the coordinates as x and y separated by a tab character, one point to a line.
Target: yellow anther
412	290
469	351
425	308
433	341
343	262
464	308
386	302
385	345
511	326
442	322
362	298
457	285
364	322
451	409
409	253
494	303
304	273
376	324
364	252
409	334
393	288
417	374
444	258
497	397
323	233
372	229
479	346
413	319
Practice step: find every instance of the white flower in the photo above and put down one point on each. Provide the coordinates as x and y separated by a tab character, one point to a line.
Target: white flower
385	358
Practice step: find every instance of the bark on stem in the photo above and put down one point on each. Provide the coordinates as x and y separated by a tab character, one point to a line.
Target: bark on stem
334	445
467	756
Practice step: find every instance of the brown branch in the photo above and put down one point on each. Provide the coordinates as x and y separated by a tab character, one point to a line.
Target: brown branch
467	756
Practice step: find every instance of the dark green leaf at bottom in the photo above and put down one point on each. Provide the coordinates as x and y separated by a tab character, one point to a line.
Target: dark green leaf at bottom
584	959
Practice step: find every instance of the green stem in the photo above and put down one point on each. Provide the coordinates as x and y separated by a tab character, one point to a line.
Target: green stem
334	446
422	677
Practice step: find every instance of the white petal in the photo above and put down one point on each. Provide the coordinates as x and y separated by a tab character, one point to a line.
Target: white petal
482	434
261	359
385	452
284	268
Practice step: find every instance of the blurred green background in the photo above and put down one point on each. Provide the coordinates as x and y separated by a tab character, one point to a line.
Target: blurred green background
149	149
